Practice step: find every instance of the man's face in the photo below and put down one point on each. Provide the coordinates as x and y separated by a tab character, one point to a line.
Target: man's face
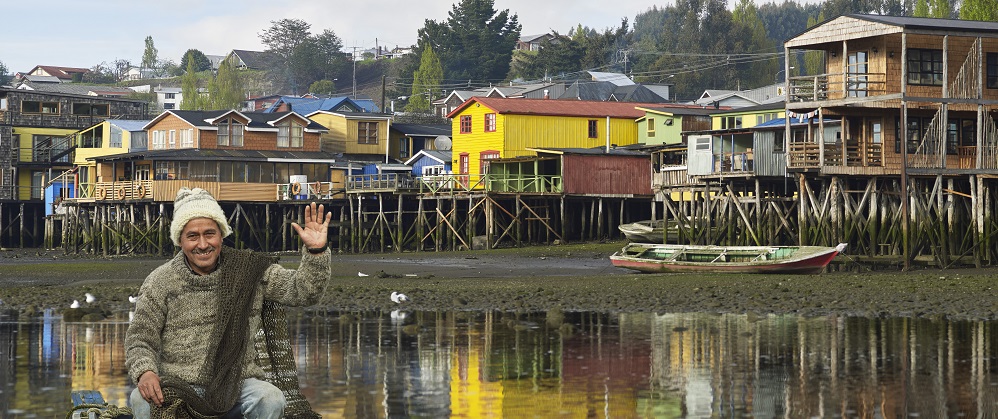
201	242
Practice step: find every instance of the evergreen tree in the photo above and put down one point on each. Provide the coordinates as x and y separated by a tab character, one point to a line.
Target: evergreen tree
986	10
475	42
190	96
425	82
4	77
755	73
814	61
149	55
226	88
201	61
921	9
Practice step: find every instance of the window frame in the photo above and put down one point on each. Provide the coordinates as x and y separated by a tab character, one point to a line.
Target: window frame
490	122
232	132
465	124
366	135
593	128
917	56
991	70
483	160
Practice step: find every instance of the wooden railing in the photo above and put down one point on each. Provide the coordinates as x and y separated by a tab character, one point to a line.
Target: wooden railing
451	183
836	86
524	183
380	182
671	176
966	157
803	155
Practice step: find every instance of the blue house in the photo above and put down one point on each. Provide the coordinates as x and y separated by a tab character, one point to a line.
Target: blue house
430	163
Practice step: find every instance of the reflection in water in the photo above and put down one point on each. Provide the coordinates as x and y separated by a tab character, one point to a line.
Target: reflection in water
474	364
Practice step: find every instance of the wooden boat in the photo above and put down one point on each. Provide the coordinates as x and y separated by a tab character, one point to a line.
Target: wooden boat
649	231
646	257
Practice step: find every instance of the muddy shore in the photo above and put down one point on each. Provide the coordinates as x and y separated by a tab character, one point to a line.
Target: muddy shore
577	277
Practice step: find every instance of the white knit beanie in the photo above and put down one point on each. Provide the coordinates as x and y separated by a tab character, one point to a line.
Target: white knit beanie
196	203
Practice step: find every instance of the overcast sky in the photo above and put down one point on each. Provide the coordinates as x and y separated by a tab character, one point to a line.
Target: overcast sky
85	33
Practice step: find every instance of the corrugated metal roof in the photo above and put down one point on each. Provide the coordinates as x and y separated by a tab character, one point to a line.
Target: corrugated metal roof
423	130
76	89
129	124
931	23
781	123
194	154
583	108
257	119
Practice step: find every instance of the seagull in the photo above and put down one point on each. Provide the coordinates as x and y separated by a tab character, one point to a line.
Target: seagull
132	299
76	304
361	274
90	298
399	297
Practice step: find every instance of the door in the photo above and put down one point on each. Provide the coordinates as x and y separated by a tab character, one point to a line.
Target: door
701	156
857	80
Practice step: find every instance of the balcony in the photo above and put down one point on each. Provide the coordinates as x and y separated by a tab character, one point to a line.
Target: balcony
836	86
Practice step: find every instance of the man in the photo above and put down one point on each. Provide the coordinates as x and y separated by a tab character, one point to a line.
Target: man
190	346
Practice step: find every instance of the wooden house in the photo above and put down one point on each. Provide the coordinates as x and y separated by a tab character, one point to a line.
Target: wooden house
36	141
113	136
596	171
665	124
490	128
238	156
355	133
898	85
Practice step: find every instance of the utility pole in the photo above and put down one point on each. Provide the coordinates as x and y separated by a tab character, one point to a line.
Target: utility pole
354	72
383	93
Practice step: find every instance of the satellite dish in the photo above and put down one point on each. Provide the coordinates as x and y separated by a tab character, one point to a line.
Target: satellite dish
442	142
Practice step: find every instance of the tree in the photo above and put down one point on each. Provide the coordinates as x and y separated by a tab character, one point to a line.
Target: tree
189	88
4	77
323	87
921	9
99	74
149	55
760	72
225	90
304	58
814	62
475	42
425	81
201	61
986	10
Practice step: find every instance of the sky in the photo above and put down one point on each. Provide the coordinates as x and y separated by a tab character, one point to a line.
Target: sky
86	33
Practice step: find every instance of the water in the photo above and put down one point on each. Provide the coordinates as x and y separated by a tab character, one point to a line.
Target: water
474	364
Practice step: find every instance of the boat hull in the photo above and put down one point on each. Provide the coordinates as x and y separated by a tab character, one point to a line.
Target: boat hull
812	261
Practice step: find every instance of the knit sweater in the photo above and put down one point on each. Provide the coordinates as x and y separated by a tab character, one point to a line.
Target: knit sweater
177	308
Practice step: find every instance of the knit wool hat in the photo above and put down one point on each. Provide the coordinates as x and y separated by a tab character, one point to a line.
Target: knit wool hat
196	203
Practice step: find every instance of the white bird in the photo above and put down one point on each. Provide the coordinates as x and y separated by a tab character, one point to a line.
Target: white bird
399	297
90	298
76	304
132	299
398	317
361	274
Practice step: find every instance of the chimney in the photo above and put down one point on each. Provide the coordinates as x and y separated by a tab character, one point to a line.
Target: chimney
547	94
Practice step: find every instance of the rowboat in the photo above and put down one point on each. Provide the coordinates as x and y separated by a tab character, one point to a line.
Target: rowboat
649	231
651	257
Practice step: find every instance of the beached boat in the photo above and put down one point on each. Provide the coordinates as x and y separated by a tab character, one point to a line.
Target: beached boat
649	231
647	257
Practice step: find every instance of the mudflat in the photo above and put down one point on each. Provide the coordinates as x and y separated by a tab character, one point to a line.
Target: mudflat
575	277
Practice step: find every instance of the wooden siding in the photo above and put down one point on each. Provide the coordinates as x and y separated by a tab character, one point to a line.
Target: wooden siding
667	128
342	134
528	131
607	175
477	140
840	29
172	122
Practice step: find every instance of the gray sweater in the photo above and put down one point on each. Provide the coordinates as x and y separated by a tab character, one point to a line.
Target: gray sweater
176	311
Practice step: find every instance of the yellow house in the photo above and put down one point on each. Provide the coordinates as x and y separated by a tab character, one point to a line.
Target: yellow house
113	136
354	132
486	128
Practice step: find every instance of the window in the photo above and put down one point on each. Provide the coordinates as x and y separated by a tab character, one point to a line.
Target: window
28	106
856	82
367	133
187	138
158	139
173	138
593	128
992	70
876	131
703	143
925	67
91	109
115	137
731	122
171	95
651	127
466	124
490	122
483	160
230	132
169	105
291	134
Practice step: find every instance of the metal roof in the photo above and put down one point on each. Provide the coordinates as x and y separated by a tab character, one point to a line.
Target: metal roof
194	154
423	130
581	108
